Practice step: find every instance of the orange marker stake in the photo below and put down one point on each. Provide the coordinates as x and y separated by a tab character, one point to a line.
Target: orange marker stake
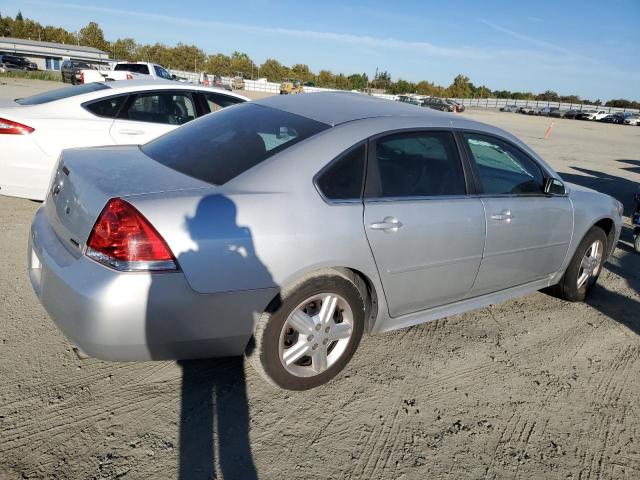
548	132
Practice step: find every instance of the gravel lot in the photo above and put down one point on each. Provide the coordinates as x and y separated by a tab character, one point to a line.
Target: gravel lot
533	388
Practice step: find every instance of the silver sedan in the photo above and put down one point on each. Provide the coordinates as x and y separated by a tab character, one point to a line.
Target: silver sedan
286	228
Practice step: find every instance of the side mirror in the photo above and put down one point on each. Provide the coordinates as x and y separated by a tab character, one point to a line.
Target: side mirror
553	186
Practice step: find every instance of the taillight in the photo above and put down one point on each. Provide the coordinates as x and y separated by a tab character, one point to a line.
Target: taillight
123	239
129	76
81	77
9	127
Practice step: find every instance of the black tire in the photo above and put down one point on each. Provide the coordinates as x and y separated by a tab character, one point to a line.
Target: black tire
567	288
73	80
263	350
636	242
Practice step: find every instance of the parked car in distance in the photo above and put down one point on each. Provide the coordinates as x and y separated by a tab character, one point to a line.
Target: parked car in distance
289	86
218	83
510	108
617	117
557	113
457	107
36	129
571	114
16	62
546	111
179	258
71	71
410	99
438	104
633	119
126	71
591	114
529	110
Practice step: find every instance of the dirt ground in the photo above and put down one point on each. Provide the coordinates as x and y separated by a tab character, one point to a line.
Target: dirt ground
532	388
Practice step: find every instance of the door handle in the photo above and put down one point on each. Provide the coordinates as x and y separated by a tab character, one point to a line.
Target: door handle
131	132
389	224
505	216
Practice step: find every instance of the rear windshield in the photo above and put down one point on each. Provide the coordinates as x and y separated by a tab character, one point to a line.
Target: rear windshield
61	93
222	145
132	67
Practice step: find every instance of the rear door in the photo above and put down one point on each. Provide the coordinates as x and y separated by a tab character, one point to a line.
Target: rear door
528	232
425	232
148	115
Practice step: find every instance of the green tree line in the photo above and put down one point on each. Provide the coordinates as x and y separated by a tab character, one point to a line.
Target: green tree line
191	58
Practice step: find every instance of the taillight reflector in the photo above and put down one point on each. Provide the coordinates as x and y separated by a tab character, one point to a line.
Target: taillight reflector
123	238
8	127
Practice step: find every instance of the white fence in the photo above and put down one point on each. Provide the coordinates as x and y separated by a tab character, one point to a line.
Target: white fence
501	102
273	87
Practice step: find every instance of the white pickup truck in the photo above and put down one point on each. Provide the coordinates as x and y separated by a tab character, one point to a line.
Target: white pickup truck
125	71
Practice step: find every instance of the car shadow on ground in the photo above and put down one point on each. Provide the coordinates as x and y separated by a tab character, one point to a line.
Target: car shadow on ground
621	308
214	414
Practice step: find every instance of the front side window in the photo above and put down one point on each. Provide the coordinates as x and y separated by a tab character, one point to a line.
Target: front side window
160	107
217	148
503	168
343	179
217	102
161	72
107	108
421	164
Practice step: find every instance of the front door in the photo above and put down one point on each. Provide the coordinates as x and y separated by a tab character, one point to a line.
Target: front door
148	115
426	234
528	232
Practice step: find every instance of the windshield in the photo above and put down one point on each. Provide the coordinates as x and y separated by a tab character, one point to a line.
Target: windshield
61	93
220	146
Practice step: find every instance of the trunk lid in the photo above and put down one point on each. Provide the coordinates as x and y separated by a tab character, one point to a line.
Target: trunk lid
85	179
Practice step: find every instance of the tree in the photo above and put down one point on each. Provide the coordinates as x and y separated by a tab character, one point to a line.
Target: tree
358	81
219	64
240	62
273	70
460	88
124	49
19	16
302	72
93	36
325	79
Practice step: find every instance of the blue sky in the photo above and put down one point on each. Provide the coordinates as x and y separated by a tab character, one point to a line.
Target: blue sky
586	47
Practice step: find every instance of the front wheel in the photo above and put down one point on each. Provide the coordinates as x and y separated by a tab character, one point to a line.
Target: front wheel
310	332
585	266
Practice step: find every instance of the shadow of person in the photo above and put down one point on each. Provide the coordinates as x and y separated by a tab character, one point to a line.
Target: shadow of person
214	415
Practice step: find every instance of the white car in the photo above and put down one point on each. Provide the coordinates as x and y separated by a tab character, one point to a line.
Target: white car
592	114
34	130
126	71
632	119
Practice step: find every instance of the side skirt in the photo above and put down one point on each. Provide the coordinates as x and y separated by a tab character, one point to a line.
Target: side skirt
388	324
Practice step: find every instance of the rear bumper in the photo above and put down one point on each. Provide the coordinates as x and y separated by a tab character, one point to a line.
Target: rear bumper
136	316
25	170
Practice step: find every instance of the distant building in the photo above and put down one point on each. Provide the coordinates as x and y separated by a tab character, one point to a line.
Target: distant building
49	55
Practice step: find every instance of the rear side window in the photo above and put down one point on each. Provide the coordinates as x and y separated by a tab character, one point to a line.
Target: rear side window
61	93
107	108
343	179
421	164
503	168
216	102
171	108
132	67
217	148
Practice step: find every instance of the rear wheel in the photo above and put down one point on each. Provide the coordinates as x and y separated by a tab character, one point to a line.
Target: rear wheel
310	332
636	241
584	268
